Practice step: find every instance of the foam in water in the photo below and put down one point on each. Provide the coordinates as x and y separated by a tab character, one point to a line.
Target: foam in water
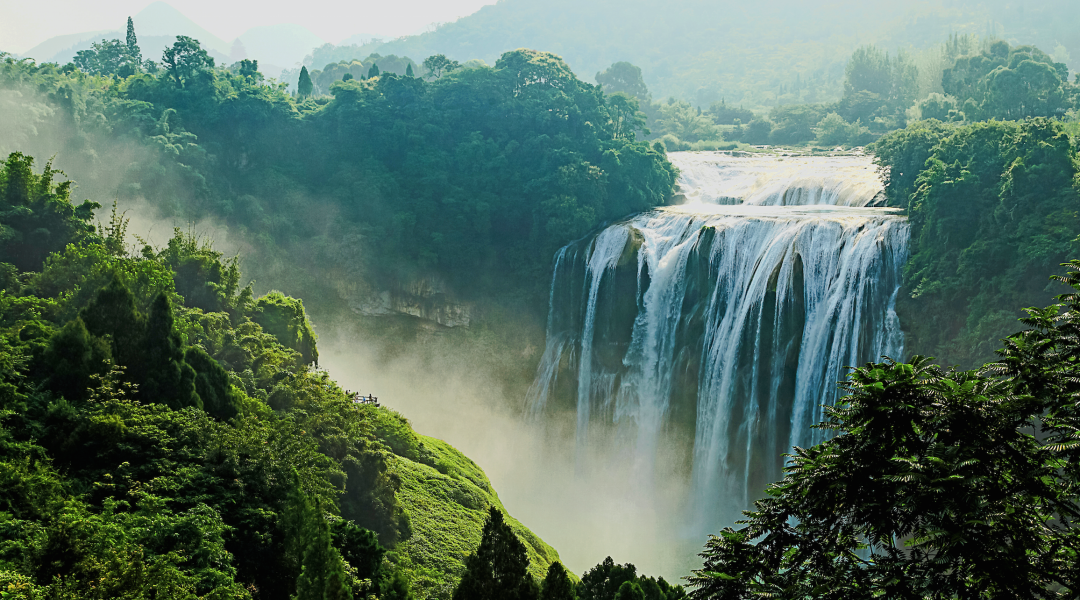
725	323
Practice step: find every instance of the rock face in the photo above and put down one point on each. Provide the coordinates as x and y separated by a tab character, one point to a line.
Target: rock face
427	298
715	330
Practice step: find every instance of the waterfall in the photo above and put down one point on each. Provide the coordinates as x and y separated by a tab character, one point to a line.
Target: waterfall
721	326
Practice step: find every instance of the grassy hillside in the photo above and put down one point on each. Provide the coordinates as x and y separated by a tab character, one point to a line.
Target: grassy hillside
448	503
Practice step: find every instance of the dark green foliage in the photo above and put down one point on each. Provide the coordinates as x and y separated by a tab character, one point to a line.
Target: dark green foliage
373	71
629	590
166	378
132	43
358	547
409	71
557	584
610	581
112	314
114	484
213	385
498	569
186	63
992	208
322	574
937	475
36	215
303	85
72	360
944	484
513	161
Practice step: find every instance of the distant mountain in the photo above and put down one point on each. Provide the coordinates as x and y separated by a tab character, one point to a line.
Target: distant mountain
746	52
53	46
276	47
283	45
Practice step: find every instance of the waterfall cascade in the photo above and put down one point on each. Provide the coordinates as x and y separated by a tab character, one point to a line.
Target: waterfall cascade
720	326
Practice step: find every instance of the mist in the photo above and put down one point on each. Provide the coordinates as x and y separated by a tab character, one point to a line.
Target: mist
587	507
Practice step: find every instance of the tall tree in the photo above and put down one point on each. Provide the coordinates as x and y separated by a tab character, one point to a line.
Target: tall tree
626	78
166	377
186	60
373	71
304	85
557	584
134	53
499	568
438	65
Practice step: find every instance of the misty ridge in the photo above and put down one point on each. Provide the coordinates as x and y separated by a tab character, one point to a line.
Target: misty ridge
586	300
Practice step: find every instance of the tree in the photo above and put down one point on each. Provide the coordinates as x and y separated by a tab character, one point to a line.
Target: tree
373	71
629	590
626	78
438	65
165	377
310	550
409	70
113	313
303	85
186	60
686	123
72	359
133	52
212	384
499	568
626	119
557	584
944	484
284	318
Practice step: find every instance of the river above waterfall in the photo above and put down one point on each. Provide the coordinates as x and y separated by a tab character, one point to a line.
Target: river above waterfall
704	339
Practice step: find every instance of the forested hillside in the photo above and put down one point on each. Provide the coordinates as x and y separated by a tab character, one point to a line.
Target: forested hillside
164	433
477	176
754	54
993	212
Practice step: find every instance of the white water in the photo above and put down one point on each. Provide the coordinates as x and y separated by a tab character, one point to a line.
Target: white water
799	282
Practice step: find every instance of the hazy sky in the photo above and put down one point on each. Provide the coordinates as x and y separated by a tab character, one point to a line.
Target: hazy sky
24	24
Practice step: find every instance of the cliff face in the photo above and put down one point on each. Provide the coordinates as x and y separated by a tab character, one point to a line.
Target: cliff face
427	298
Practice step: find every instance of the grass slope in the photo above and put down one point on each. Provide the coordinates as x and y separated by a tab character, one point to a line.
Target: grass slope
447	496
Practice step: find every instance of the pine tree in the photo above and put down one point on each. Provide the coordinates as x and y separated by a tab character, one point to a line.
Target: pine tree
499	568
134	53
167	379
112	313
557	584
304	85
322	571
72	357
373	71
409	71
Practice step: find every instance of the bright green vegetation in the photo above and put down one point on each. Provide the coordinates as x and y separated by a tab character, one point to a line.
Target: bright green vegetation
965	79
448	497
758	55
993	211
476	174
937	484
163	429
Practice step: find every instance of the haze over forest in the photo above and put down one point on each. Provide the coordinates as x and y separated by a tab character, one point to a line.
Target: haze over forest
586	300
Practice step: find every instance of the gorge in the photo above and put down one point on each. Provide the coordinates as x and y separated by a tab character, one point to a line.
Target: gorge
703	338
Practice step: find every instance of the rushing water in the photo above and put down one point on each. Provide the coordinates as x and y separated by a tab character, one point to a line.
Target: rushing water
722	325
